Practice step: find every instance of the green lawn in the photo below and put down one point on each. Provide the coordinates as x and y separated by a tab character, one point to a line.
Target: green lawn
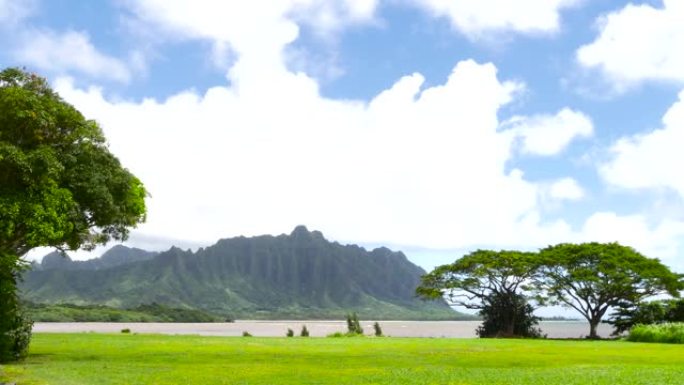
81	359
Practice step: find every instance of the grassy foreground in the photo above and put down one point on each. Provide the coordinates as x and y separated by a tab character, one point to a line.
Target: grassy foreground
82	359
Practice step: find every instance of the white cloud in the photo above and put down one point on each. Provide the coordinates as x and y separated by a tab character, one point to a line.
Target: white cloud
13	12
417	165
412	166
549	134
638	43
566	189
477	18
651	160
66	52
662	240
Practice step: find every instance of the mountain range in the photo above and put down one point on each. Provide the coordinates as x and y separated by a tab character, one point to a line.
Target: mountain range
297	276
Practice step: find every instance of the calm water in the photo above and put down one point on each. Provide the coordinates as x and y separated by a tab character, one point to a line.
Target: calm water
436	329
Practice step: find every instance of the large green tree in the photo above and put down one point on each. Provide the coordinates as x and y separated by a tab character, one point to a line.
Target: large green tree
59	184
594	277
498	283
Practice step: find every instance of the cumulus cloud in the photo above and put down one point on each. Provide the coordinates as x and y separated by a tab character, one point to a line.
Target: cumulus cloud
651	160
416	165
269	152
638	43
477	18
66	52
662	240
566	189
550	134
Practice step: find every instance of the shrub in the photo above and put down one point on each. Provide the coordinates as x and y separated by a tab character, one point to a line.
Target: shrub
246	334
290	332
378	330
629	314
671	333
126	331
353	324
15	324
304	332
14	342
503	310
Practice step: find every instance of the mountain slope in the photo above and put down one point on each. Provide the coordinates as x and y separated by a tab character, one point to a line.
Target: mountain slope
117	255
300	275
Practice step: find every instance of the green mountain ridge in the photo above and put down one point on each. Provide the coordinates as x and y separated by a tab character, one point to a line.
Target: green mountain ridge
297	276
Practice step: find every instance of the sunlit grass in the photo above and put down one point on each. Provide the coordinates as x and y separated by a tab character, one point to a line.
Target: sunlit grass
156	359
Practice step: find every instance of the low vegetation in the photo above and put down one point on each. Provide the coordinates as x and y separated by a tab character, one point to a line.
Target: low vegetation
108	359
672	333
99	313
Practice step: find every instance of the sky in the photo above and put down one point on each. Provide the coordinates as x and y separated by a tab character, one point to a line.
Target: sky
435	127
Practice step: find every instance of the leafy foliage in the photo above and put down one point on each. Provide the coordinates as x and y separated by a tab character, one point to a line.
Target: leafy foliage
629	314
15	326
304	332
353	324
671	333
593	277
59	186
498	283
508	316
377	329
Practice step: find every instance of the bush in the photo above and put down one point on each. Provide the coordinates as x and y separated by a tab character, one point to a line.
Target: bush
14	342
15	325
508	316
629	314
378	330
125	331
671	333
246	334
353	324
290	332
304	332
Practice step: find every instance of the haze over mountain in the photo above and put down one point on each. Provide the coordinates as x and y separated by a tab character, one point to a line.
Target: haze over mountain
300	275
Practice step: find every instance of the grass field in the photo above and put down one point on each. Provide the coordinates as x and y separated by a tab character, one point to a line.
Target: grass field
69	359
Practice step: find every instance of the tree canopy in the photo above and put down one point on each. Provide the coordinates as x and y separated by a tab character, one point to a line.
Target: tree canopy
593	277
498	283
59	186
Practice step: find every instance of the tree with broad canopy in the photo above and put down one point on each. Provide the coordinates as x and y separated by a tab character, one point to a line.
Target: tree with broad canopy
60	186
498	283
594	277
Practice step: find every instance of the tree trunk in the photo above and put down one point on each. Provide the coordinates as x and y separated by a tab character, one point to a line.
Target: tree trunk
593	324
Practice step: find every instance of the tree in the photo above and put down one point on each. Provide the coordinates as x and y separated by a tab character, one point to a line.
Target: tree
628	314
59	184
485	279
499	311
353	324
593	277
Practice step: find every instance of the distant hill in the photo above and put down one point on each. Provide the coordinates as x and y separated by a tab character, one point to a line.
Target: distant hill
298	276
116	256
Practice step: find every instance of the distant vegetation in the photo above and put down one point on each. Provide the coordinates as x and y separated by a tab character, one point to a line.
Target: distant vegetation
630	314
100	313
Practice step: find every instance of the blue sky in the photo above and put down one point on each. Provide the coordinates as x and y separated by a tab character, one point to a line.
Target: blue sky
434	127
